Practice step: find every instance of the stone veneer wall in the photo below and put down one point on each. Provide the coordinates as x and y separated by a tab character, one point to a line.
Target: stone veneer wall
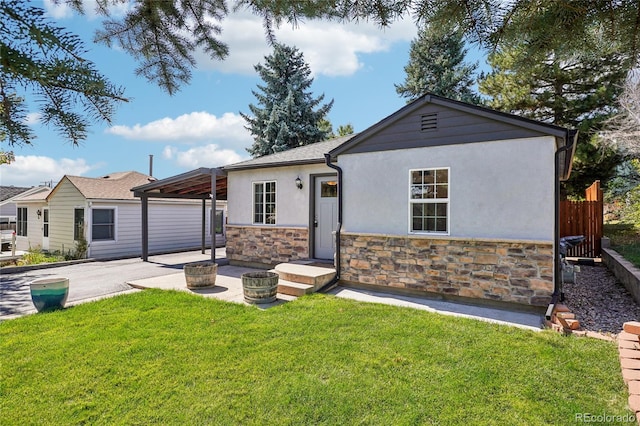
508	271
267	245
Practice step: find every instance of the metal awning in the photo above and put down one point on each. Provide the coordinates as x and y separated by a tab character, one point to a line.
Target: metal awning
197	184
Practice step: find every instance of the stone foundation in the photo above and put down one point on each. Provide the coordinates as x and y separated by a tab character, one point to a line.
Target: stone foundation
507	271
266	245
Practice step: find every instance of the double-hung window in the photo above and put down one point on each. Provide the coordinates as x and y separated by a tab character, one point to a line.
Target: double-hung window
429	201
21	223
264	203
103	224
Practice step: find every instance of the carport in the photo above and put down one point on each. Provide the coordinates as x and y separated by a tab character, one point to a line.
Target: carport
195	185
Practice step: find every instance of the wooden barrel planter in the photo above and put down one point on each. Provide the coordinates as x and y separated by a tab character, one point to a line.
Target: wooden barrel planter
49	294
260	287
200	275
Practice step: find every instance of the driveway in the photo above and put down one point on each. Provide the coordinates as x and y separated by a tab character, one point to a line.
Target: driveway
91	280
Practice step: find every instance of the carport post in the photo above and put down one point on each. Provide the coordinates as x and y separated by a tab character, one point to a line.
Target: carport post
204	222
214	182
145	228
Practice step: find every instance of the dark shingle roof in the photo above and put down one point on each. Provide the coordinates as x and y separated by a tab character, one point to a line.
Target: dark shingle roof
7	192
307	154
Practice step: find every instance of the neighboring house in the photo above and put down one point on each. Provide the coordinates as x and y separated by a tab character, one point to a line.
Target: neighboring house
441	197
32	230
8	210
104	211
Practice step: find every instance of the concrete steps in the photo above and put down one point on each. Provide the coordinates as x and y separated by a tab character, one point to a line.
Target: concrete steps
299	279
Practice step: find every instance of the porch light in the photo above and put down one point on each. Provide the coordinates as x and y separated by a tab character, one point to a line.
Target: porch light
39	213
299	182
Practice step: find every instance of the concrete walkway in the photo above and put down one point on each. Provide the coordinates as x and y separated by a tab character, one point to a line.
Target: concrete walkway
525	320
229	287
95	280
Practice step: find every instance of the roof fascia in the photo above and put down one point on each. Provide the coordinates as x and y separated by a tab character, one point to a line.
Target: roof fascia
218	171
275	164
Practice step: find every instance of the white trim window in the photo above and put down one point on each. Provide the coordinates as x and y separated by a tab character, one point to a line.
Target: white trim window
21	222
264	203
429	201
103	224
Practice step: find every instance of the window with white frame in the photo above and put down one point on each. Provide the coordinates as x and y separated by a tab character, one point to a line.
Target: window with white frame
264	203
103	224
429	200
21	223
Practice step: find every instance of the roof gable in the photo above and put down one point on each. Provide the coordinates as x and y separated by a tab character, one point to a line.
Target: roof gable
114	186
433	120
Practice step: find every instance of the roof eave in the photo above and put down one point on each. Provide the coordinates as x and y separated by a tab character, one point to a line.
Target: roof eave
274	164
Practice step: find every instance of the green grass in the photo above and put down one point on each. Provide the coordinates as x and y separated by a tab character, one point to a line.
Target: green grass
625	239
173	358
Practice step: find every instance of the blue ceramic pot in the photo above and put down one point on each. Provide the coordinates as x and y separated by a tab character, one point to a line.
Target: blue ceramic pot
49	293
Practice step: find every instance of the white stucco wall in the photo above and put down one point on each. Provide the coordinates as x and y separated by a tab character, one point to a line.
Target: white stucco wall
292	204
498	189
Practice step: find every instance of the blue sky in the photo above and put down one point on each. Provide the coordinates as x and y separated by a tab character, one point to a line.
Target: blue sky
356	65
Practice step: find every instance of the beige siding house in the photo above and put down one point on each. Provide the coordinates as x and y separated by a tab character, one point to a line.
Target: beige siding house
104	211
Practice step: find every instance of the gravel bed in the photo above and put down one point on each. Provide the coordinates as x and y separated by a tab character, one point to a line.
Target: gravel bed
600	302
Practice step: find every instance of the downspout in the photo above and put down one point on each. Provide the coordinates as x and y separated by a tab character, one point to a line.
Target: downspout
558	294
336	279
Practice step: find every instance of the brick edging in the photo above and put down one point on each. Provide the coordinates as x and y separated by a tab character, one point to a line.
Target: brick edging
629	349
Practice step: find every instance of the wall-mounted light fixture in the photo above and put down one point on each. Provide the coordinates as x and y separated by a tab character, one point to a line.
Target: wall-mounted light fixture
39	213
299	182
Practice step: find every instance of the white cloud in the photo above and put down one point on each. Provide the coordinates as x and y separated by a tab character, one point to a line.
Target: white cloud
188	128
64	11
330	48
57	11
32	170
33	118
202	156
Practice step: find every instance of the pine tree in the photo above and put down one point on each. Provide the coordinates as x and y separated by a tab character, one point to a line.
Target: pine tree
287	115
437	65
40	59
575	89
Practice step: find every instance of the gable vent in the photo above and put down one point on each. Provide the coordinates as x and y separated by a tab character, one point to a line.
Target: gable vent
429	122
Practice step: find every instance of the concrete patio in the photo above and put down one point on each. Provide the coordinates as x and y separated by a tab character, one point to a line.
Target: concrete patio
228	285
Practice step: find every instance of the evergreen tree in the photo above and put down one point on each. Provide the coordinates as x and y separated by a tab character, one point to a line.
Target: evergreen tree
287	115
345	129
575	89
39	58
436	65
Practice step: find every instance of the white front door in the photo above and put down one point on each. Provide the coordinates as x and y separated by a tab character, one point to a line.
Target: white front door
325	216
45	229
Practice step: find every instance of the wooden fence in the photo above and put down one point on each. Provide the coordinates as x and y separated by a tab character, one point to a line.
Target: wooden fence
584	218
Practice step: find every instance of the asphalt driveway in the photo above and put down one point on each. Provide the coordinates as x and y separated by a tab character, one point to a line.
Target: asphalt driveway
92	279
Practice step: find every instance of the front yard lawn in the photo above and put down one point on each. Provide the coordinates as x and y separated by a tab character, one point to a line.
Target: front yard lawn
159	357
